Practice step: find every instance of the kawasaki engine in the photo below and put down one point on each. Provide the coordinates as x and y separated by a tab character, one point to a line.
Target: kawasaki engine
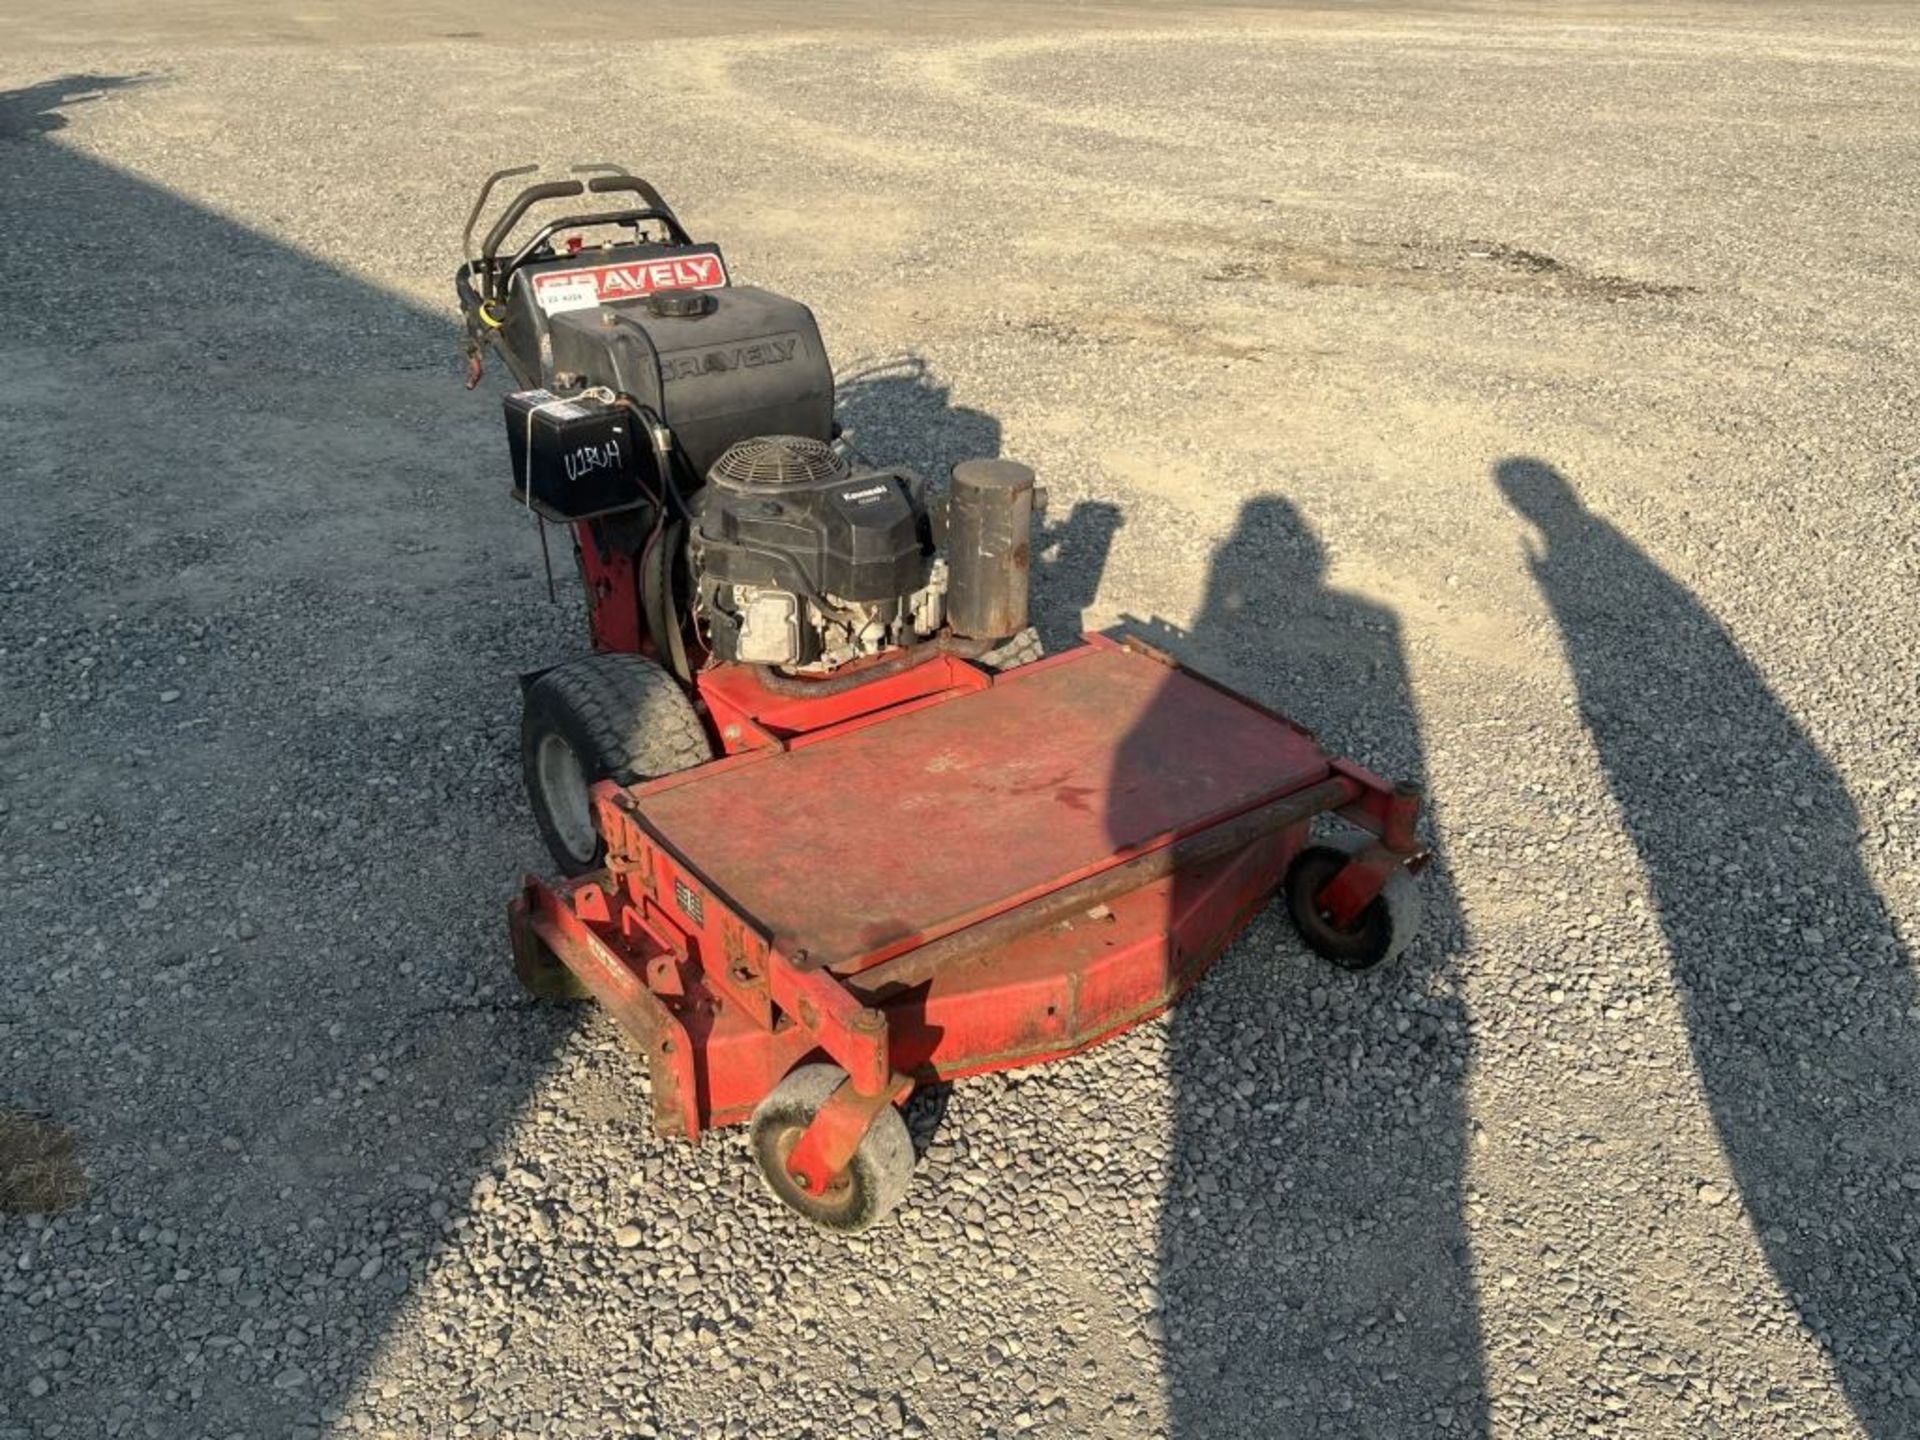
803	562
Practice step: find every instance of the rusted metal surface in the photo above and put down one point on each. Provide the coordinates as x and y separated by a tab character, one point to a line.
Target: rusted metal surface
749	714
1183	853
616	977
819	1159
989	547
1133	644
854	1035
1082	981
1050	993
1008	793
1355	884
613	594
1095	827
1392	812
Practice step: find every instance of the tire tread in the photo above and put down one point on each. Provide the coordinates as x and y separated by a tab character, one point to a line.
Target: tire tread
624	717
1399	898
882	1166
639	717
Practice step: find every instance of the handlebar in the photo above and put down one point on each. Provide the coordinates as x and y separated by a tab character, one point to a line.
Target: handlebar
523	202
480	202
483	278
618	181
605	217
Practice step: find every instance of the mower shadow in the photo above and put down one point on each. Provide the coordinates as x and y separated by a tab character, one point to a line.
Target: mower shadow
39	109
1798	996
263	799
1069	557
897	411
1315	1276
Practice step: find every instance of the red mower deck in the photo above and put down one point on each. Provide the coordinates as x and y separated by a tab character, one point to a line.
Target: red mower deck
1087	834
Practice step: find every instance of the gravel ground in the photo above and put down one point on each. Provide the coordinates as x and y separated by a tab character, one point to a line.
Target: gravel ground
1528	405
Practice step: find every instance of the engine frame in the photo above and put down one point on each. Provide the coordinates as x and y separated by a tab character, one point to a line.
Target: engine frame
697	366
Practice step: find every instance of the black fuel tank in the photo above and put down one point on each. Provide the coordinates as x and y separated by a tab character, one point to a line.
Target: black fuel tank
719	365
579	280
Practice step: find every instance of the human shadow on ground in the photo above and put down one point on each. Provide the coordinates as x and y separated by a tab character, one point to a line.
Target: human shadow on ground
1315	1276
265	602
39	109
1798	996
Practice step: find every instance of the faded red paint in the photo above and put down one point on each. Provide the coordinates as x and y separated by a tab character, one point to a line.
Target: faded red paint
773	906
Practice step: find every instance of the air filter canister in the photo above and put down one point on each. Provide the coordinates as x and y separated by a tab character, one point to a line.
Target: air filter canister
989	548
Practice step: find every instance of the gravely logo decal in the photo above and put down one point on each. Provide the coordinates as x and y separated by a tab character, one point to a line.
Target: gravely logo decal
609	284
687	364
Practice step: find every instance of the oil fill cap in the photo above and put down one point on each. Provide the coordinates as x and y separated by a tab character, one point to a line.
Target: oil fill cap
680	304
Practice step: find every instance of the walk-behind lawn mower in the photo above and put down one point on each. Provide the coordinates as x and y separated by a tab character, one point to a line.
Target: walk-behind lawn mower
832	828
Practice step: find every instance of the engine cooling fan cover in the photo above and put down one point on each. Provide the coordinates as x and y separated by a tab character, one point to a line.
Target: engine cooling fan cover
778	462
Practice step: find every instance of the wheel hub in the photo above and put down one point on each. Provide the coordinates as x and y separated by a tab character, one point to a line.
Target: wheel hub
563	786
838	1192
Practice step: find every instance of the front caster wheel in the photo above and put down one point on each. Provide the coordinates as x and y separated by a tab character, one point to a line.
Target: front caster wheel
1380	932
876	1178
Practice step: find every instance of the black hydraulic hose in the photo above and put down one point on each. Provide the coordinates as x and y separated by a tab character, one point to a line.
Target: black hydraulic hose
656	598
676	643
463	288
649	593
668	453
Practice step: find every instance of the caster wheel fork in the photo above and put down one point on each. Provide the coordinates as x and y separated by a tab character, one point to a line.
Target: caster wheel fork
1385	926
873	1181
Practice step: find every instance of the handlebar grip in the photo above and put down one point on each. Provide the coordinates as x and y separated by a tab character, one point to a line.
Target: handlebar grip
523	202
610	184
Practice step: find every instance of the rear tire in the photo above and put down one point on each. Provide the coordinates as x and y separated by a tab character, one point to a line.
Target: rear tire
602	717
